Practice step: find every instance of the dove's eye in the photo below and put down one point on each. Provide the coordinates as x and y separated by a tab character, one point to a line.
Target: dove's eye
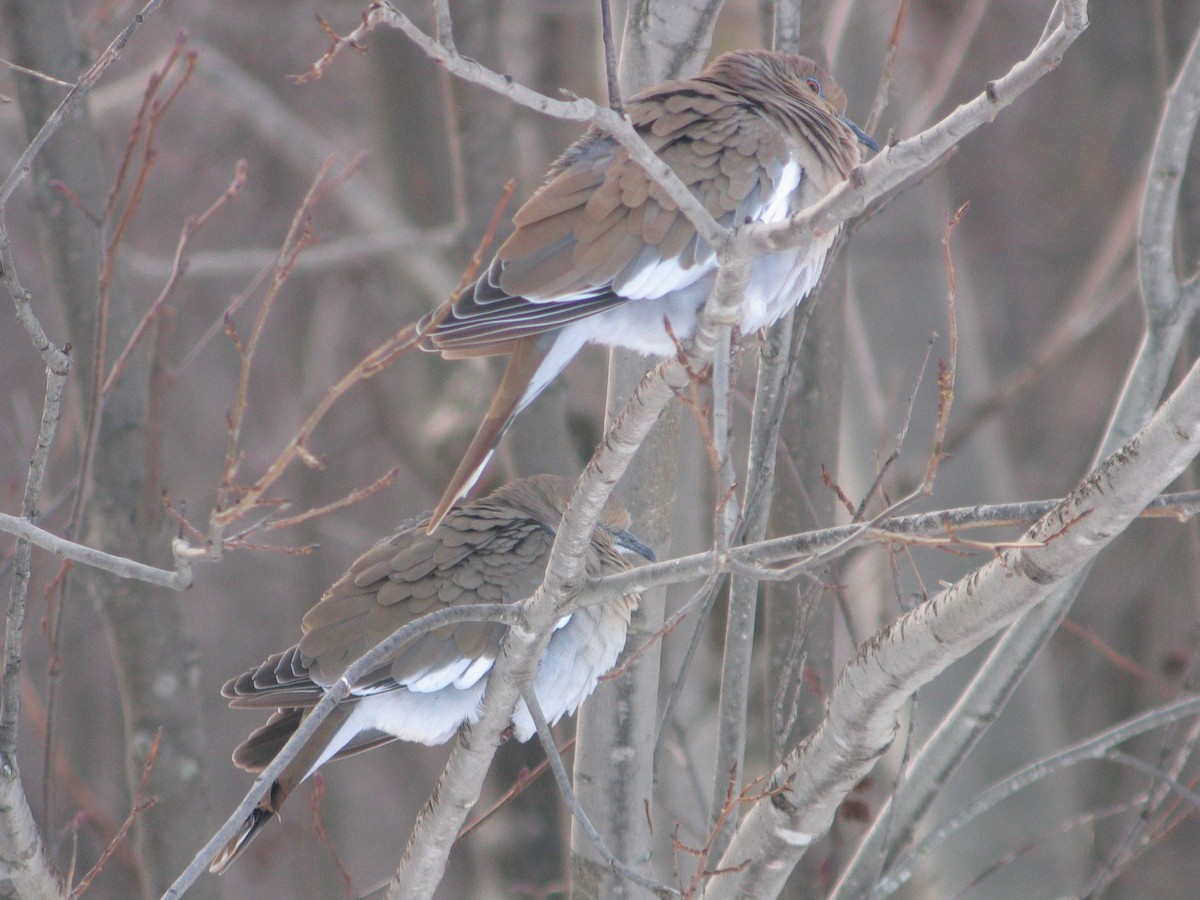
813	85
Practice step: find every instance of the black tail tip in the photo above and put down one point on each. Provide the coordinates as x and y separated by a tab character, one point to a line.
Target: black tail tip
231	851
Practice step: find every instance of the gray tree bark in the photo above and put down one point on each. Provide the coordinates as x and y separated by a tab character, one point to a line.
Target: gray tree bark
154	658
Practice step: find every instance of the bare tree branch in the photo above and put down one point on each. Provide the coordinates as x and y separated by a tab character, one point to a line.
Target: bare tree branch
335	694
580	110
1169	309
458	789
1098	747
940	528
178	580
79	90
862	711
22	850
906	159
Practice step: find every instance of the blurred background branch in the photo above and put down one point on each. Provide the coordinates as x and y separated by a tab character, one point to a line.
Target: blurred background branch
1045	264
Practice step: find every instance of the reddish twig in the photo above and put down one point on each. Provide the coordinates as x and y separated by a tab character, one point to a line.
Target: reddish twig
140	805
353	497
99	351
55	596
153	84
91	808
297	238
178	268
372	364
238	544
108	264
1120	660
353	40
525	778
160	384
222	321
665	629
946	366
747	794
185	527
323	835
827	479
889	68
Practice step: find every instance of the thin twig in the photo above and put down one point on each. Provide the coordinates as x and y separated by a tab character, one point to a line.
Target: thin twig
349	250
502	613
610	58
80	794
1087	820
523	781
113	227
355	496
564	787
226	315
89	556
179	264
323	835
948	365
1180	507
372	364
140	804
78	91
293	243
577	110
1099	746
33	73
882	91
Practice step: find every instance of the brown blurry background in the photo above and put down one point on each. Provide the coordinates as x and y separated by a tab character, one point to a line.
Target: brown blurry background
1048	319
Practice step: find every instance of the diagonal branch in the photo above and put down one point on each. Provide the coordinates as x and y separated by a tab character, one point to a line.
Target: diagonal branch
910	157
546	736
23	853
861	720
577	110
458	790
939	528
78	91
335	694
1170	307
124	567
1098	747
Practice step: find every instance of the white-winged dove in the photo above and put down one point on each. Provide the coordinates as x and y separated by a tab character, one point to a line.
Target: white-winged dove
492	550
601	254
